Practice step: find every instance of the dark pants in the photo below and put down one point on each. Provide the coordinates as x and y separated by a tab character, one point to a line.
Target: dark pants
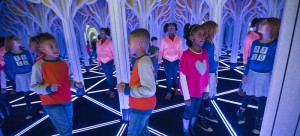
261	104
108	69
171	69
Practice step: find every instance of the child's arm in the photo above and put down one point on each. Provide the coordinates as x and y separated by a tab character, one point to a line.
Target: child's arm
148	87
8	67
180	49
36	84
183	80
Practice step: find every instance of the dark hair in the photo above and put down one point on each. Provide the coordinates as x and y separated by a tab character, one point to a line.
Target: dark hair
167	25
153	39
142	34
34	39
42	37
98	37
188	30
2	41
106	30
254	22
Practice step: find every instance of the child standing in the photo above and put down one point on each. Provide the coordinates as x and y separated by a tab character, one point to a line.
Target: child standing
51	79
211	29
141	89
170	52
252	36
153	52
193	74
105	53
18	66
257	74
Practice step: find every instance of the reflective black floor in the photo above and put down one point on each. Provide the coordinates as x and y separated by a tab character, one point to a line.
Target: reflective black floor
96	114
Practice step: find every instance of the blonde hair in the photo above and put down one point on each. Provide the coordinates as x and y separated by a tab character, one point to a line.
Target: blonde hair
210	28
142	34
274	26
9	40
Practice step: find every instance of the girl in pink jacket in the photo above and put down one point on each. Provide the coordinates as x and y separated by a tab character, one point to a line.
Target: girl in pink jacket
170	52
105	56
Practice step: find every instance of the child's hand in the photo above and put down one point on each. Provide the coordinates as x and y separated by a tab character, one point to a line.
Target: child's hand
79	84
187	102
3	90
205	96
121	87
244	80
54	87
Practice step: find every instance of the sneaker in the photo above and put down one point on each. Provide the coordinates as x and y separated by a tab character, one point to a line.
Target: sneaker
29	113
112	95
201	122
210	116
41	112
168	96
257	126
176	92
241	117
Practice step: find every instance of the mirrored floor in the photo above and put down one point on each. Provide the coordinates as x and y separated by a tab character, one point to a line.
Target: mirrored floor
96	114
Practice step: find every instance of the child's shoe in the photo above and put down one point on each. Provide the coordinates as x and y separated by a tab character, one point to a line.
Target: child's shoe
210	116
257	126
241	116
201	122
29	113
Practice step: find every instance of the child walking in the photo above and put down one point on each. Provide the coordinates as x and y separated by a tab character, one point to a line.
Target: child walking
170	52
51	79
142	88
211	29
18	66
257	74
194	75
105	53
153	52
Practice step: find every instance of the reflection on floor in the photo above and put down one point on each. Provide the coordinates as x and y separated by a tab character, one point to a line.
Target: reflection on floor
96	114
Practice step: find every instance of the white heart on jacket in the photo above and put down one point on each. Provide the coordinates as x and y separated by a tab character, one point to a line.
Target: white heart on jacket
201	66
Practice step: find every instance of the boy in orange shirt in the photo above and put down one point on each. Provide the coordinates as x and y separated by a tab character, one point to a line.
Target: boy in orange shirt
51	79
141	89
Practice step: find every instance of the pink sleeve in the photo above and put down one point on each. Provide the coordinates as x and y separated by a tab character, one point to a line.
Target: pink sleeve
180	49
161	51
246	49
98	52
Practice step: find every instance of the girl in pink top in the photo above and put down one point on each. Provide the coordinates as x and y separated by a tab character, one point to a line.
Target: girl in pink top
105	56
194	75
170	52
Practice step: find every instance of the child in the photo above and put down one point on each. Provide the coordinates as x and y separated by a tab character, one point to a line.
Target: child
34	48
257	74
170	52
141	89
153	52
105	53
37	55
193	74
51	79
211	29
7	111
18	66
88	49
252	36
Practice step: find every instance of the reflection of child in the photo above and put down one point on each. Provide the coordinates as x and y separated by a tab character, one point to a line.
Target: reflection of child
194	75
153	52
18	66
105	55
211	29
51	79
257	74
141	89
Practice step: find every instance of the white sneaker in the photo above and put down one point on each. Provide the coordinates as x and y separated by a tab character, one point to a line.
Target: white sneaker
41	112
28	117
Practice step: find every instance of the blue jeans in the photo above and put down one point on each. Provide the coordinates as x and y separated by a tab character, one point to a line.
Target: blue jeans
61	116
171	69
192	110
108	69
138	123
155	66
